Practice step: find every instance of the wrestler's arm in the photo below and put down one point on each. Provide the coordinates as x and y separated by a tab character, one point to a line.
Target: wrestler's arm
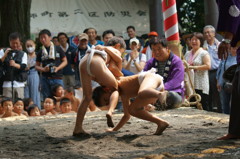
126	115
113	53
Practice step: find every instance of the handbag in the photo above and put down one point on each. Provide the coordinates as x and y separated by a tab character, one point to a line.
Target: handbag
229	73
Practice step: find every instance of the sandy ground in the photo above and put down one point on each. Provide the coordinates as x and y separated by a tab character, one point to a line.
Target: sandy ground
192	134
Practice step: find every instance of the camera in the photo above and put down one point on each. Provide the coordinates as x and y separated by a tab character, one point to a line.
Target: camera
51	67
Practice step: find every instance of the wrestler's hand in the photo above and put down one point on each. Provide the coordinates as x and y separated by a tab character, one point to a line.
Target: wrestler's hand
100	47
223	50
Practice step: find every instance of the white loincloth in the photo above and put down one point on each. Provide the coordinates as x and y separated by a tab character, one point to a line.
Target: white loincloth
91	52
142	75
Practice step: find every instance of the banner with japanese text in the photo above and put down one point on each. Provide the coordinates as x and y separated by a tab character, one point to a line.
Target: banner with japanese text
73	16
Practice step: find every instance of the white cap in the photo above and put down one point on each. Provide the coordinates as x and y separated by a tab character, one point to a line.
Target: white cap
134	40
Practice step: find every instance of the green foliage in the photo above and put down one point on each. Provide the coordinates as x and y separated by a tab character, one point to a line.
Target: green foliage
191	15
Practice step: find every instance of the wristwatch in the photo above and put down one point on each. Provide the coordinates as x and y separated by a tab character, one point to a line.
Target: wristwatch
228	41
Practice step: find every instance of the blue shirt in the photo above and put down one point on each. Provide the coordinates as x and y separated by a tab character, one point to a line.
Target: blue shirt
231	60
213	52
98	43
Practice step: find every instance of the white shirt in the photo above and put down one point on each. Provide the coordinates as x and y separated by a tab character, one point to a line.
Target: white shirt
133	68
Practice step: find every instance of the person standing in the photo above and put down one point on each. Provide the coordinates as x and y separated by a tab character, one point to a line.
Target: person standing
68	71
225	94
14	62
199	60
80	53
211	45
229	24
92	35
50	61
32	87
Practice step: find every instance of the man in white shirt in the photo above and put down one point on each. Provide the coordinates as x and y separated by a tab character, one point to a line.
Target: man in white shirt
14	62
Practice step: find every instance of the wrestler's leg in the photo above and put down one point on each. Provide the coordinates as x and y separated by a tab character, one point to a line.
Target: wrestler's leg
87	96
148	94
106	78
102	75
148	87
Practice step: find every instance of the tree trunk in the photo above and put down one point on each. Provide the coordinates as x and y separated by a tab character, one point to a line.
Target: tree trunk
14	17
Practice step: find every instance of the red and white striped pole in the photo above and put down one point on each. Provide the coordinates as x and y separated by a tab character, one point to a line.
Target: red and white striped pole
171	25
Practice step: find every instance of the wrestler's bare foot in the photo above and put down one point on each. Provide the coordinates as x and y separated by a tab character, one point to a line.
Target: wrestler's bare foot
80	133
161	127
229	137
109	120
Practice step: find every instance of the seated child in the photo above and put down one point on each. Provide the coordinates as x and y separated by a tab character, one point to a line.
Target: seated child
58	93
7	106
49	105
66	106
1	108
33	110
27	102
70	94
18	107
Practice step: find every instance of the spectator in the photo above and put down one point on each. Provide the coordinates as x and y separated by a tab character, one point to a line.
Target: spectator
7	105
55	41
66	106
107	35
14	63
225	96
70	94
27	102
168	65
134	61
148	52
58	94
18	107
211	45
33	81
92	34
80	53
48	105
50	61
68	71
132	34
199	60
33	110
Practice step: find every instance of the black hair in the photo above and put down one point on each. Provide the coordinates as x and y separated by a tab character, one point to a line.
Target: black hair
55	37
97	94
26	102
65	100
70	90
199	36
108	32
85	30
18	99
44	31
116	40
54	99
156	40
31	107
62	33
5	99
55	87
14	36
131	27
93	29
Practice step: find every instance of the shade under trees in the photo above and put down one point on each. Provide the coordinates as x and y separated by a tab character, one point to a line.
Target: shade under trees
14	17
